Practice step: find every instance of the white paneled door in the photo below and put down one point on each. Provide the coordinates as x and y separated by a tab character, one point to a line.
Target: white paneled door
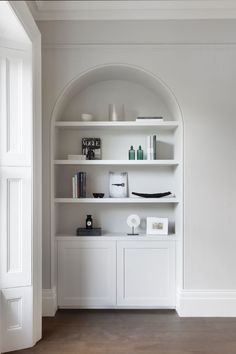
19	238
15	200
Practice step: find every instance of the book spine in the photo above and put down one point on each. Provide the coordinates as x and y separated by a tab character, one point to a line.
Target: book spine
152	148
77	186
80	184
84	184
154	139
73	190
150	120
149	147
73	187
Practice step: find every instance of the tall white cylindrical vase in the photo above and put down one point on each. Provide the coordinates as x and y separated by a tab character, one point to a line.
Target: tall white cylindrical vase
113	115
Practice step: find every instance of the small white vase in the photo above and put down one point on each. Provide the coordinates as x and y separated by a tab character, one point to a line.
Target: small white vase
113	115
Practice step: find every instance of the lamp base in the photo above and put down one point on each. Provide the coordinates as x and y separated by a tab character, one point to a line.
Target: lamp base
133	234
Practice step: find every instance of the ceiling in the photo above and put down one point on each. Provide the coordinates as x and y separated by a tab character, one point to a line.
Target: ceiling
133	9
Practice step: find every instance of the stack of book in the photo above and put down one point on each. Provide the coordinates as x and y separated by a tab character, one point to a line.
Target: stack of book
76	157
149	119
151	147
79	185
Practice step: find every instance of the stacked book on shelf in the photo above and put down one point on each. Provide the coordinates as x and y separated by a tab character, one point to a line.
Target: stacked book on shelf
149	119
79	185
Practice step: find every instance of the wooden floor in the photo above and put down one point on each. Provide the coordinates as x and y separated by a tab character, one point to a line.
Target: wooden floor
141	332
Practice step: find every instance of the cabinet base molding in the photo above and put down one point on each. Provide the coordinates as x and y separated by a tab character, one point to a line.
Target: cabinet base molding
206	303
49	302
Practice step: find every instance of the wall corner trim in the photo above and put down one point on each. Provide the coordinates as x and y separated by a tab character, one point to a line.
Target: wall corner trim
49	302
206	303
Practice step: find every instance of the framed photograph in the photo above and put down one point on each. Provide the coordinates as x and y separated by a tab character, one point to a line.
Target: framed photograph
118	184
91	148
157	226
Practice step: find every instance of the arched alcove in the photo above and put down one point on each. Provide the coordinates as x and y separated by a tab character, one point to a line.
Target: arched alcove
122	73
143	94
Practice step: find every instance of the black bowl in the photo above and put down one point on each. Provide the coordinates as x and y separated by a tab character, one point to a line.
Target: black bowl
98	195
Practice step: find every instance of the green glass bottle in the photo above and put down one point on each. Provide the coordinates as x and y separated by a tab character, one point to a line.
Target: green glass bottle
140	153
131	153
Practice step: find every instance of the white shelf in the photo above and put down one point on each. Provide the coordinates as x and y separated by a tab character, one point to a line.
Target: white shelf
169	125
137	200
118	162
116	236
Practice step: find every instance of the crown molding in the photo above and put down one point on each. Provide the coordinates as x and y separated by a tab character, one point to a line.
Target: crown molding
133	10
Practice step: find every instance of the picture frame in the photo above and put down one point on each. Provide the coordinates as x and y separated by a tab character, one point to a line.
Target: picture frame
118	184
91	148
157	226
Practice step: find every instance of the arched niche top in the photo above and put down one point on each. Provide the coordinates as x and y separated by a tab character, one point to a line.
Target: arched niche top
132	74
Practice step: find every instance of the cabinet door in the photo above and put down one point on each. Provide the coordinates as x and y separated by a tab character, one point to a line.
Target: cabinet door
146	273
86	273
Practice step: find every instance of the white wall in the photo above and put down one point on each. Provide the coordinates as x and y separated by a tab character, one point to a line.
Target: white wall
198	65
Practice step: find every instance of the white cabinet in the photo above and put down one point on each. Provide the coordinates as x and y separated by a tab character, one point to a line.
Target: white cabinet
86	273
146	273
116	273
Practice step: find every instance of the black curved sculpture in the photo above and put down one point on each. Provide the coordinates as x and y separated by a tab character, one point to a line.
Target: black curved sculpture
152	195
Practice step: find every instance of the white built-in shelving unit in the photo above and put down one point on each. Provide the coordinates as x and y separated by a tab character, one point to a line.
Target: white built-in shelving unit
113	257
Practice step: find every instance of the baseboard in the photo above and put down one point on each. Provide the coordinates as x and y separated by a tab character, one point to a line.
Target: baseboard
49	305
190	303
206	303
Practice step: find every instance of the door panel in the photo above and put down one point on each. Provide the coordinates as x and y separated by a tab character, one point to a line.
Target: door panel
17	318
15	108
15	214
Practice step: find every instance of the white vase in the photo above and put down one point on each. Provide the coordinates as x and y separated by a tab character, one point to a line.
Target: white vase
113	115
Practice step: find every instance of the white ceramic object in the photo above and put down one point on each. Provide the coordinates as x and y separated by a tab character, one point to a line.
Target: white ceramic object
116	114
133	220
86	117
113	115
